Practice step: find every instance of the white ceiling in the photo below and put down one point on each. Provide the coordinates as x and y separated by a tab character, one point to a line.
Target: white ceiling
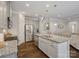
64	9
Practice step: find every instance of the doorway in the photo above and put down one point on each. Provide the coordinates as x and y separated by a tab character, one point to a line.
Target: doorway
28	32
73	27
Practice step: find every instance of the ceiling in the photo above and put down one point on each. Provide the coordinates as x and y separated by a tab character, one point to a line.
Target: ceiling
58	9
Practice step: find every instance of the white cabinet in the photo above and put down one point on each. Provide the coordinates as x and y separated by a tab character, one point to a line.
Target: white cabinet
43	46
36	40
53	49
63	50
48	48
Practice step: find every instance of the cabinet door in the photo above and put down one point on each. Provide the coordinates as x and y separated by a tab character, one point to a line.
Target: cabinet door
36	40
52	51
43	46
63	50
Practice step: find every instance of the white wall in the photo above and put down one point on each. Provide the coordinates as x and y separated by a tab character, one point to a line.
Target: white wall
54	28
21	28
76	20
18	21
3	15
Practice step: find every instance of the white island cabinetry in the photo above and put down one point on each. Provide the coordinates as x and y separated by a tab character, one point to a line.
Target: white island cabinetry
54	49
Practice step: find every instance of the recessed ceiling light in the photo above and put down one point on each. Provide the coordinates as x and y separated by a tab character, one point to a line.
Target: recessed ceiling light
47	5
55	24
27	5
47	25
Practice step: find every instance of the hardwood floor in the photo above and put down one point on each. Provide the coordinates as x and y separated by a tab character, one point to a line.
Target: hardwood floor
29	50
74	53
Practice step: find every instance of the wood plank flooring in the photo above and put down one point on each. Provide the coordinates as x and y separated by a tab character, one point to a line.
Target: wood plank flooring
29	50
74	53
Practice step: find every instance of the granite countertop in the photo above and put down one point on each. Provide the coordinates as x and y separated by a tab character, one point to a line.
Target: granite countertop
10	38
2	44
55	38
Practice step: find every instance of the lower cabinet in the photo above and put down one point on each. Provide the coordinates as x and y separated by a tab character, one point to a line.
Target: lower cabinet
43	46
47	48
53	49
36	39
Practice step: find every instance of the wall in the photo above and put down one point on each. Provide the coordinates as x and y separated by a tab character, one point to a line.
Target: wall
53	25
42	24
55	22
67	24
15	23
76	20
18	21
3	15
21	28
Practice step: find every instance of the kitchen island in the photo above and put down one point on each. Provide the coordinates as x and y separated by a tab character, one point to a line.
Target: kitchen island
54	46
